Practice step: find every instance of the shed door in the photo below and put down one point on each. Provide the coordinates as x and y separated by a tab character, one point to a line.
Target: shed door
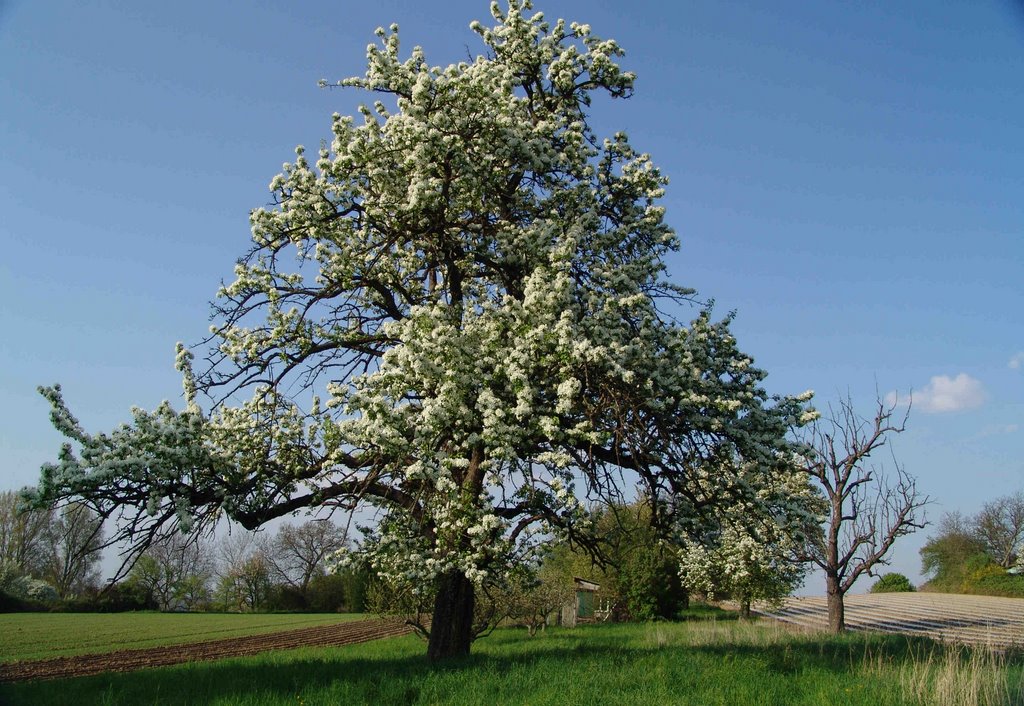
585	601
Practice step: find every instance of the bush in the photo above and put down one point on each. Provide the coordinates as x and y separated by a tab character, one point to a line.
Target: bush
1006	585
15	604
356	583
987	578
893	583
31	589
286	599
650	585
119	598
327	593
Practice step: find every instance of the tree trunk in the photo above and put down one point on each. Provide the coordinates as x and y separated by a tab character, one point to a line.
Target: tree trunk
451	627
836	609
745	608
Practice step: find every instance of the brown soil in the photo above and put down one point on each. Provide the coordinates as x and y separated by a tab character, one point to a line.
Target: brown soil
128	660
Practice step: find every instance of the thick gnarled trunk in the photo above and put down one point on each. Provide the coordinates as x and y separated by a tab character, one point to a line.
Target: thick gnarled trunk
836	609
451	627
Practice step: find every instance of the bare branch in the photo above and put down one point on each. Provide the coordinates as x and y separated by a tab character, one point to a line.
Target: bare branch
868	511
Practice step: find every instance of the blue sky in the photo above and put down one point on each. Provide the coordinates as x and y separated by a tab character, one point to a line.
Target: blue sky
848	177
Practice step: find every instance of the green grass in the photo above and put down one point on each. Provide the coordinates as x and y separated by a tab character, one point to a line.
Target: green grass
44	635
698	662
706	611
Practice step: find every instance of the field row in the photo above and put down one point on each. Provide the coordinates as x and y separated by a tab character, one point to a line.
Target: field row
336	635
981	620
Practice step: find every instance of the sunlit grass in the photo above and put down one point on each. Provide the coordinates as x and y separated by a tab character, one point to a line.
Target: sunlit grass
959	676
44	635
697	662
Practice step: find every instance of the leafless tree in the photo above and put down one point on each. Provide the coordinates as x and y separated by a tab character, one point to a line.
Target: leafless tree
298	553
533	602
22	535
243	571
72	544
867	509
174	570
1000	527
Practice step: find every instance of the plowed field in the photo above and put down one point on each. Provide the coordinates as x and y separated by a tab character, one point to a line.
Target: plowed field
979	620
128	660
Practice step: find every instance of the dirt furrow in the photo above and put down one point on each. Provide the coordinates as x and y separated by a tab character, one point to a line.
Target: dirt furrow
994	622
128	660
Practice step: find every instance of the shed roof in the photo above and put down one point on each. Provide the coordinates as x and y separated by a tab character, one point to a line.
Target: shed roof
585	585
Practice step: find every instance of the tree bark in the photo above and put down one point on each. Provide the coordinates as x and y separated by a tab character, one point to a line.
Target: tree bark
745	608
836	609
451	627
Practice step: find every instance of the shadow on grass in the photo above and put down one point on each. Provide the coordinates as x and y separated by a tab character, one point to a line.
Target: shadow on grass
703	611
396	670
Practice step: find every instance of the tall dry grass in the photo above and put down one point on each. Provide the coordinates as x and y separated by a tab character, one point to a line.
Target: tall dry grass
950	675
704	633
933	675
960	676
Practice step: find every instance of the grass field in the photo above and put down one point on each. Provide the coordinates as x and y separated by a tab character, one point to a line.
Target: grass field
701	662
43	635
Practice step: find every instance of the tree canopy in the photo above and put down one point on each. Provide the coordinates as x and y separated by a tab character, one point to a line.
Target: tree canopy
976	553
474	281
752	550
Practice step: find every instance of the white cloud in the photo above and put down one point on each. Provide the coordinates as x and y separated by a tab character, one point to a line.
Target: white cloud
1017	361
998	430
945	394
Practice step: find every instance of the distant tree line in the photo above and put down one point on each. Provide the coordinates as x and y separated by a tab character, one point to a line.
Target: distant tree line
48	555
981	554
49	560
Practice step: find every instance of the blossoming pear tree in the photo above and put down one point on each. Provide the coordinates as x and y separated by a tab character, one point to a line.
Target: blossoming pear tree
752	548
474	282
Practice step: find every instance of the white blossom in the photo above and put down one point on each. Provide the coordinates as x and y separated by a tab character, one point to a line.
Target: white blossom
475	279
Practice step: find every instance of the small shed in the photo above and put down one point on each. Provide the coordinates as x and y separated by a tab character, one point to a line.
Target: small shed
580	609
